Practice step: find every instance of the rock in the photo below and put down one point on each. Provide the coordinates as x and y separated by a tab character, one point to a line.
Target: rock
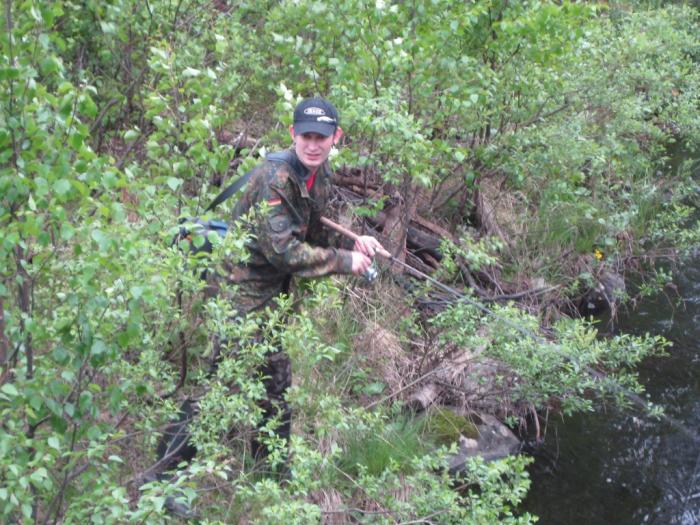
494	441
605	295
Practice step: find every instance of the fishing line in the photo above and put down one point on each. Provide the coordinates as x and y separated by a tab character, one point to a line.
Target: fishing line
635	398
599	376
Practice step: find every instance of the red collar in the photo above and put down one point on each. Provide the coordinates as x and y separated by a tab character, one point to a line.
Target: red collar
310	180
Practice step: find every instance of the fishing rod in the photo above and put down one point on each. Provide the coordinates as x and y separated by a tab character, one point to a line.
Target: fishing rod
599	376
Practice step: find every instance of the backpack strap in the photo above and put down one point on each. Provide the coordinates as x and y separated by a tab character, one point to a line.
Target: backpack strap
279	156
233	188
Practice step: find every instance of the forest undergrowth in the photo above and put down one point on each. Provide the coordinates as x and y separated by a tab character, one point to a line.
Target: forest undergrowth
520	152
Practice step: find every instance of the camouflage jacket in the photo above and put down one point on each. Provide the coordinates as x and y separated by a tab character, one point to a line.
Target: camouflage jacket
287	237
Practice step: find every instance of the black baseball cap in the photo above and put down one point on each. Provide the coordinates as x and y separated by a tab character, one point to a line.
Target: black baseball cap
315	115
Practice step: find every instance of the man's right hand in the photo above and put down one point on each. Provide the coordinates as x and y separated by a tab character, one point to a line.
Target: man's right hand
360	263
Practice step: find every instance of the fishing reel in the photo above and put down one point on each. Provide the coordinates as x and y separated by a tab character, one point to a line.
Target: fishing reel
371	273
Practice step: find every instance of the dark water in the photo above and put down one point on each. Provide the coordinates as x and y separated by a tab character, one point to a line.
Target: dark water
621	467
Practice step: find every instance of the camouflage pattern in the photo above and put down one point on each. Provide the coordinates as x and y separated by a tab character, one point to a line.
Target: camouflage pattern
287	239
287	235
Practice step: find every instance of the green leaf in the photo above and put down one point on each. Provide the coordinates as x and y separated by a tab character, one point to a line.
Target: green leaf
10	390
101	239
374	388
214	238
39	475
67	231
59	353
36	14
54	442
469	178
198	240
87	106
131	135
35	402
191	72
94	432
76	140
61	186
108	27
179	166
174	183
98	347
9	73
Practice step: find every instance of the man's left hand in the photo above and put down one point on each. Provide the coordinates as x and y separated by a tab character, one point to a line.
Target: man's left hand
367	245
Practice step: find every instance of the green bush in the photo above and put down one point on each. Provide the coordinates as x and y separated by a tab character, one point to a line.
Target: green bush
117	118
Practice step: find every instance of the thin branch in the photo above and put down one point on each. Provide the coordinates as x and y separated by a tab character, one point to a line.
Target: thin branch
403	389
8	27
25	306
99	118
424	519
4	340
538	116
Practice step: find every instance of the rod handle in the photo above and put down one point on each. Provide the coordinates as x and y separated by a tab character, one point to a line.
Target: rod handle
350	234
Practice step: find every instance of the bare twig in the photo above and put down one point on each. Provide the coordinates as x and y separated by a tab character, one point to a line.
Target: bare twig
4	340
424	519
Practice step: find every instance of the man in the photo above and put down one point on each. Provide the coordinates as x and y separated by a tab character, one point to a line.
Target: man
283	200
288	238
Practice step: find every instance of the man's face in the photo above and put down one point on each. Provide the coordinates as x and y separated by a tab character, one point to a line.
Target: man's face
313	149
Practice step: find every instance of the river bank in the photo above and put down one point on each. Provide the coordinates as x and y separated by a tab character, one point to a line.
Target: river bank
621	467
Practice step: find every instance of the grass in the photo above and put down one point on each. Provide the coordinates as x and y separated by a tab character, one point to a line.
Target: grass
393	445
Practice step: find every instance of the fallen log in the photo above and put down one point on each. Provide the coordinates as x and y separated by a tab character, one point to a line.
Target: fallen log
418	263
431	261
432	227
419	240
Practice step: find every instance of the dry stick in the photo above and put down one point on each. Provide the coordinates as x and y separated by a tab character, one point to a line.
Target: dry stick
403	389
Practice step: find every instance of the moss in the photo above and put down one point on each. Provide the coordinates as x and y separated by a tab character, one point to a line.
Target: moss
445	427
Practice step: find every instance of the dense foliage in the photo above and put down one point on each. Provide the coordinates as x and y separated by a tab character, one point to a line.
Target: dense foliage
118	117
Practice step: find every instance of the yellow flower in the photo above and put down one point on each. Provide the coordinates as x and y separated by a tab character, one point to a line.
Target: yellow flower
598	254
